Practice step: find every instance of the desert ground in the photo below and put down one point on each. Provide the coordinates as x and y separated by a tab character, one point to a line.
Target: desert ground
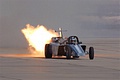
18	64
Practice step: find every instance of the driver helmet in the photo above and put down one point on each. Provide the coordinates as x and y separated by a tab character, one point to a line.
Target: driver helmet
73	40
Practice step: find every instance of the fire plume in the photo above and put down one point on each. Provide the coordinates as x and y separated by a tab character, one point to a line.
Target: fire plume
37	37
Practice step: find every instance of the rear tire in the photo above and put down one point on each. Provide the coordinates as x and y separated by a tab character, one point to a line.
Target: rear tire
91	53
68	52
48	51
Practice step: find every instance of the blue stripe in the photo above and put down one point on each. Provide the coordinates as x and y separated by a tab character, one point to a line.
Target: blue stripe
79	52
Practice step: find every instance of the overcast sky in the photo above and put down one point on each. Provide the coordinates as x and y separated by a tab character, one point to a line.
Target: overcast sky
84	18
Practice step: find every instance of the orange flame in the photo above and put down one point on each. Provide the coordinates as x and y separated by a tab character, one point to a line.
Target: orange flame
37	38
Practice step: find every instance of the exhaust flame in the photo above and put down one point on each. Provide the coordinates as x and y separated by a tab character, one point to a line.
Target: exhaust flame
37	37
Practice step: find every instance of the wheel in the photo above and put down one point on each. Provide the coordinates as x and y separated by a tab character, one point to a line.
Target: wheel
91	53
68	52
48	52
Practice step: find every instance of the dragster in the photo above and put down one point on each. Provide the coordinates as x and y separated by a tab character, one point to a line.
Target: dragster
70	47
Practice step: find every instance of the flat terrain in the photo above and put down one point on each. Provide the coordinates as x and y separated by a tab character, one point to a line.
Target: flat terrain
105	66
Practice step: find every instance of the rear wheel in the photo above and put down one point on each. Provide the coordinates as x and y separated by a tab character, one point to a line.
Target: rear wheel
91	53
48	52
68	52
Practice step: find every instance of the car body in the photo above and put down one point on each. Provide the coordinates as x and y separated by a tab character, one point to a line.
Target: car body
70	47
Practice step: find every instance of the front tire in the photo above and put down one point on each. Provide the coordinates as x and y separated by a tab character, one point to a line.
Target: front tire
91	53
48	52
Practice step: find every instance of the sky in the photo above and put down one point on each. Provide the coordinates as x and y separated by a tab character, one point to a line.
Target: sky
83	18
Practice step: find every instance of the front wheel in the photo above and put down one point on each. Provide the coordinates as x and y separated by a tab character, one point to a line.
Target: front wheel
91	53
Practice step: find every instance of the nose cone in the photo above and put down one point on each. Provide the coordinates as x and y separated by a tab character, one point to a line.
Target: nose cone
77	49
